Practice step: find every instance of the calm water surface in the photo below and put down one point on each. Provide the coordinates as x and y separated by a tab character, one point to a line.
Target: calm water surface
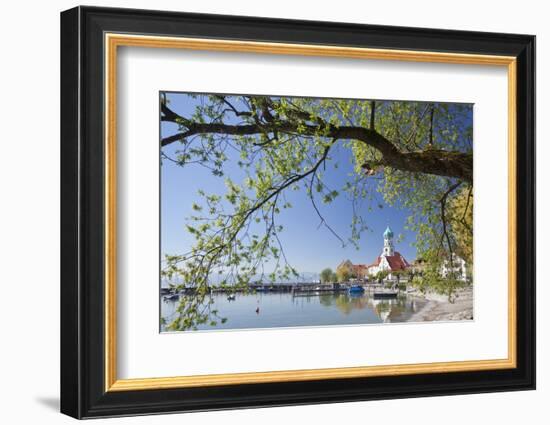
288	310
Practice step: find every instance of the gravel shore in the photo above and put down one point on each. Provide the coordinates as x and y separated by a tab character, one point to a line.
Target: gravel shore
438	307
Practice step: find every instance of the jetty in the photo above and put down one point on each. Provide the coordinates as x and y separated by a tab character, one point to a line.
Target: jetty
378	290
295	288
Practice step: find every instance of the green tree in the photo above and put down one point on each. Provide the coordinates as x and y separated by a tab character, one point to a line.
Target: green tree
327	275
381	275
343	275
461	215
412	154
431	281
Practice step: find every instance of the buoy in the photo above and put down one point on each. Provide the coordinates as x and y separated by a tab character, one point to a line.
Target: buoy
257	310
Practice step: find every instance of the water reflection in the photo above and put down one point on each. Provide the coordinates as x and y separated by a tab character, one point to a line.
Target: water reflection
269	310
388	310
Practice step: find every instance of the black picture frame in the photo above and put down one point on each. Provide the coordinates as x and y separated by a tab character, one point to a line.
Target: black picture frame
83	392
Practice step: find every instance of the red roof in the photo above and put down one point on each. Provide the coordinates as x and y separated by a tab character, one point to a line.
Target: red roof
396	262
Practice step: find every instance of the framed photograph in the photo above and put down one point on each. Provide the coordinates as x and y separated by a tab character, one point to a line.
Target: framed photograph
261	212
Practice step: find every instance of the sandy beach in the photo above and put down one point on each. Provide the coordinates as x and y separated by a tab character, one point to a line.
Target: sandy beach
439	308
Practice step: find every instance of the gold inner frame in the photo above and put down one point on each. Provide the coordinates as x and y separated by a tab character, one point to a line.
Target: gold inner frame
113	41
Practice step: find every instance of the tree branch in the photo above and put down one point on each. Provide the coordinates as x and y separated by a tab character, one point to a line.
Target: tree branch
452	164
430	141
372	112
321	217
233	109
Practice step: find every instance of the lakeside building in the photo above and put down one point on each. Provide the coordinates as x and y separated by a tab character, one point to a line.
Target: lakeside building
392	261
459	269
389	261
357	271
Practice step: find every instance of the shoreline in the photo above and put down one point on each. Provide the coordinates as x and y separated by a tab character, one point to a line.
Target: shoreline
438	308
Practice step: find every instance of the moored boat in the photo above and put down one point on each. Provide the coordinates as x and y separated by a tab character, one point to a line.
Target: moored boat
356	289
385	294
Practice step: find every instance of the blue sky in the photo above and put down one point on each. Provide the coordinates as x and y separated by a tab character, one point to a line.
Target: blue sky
308	247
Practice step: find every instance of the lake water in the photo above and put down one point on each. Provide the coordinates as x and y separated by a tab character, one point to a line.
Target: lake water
289	310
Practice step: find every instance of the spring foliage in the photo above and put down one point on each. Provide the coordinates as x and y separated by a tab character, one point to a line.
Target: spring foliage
411	154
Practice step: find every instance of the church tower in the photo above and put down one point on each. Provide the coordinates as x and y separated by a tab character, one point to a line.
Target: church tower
388	243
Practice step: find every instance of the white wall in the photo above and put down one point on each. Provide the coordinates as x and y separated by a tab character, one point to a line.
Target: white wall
29	224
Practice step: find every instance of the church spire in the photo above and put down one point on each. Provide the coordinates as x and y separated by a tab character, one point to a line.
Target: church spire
388	242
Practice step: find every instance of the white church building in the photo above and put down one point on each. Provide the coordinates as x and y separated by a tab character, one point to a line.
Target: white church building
389	260
392	261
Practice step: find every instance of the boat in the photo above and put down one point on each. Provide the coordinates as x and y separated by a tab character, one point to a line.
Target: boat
385	294
356	289
231	297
